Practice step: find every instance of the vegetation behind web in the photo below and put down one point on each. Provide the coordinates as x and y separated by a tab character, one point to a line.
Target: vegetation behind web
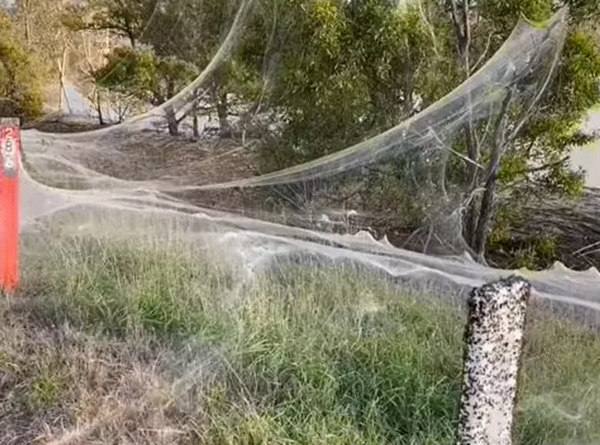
330	74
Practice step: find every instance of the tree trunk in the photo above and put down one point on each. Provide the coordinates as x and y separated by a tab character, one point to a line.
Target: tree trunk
487	204
61	80
172	122
195	128
60	99
99	108
27	31
462	29
489	195
130	34
473	175
195	123
222	113
27	25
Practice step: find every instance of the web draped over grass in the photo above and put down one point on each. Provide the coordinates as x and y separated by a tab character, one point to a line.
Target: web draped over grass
154	347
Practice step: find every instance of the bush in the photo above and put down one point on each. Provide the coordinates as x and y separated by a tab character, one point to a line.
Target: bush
20	91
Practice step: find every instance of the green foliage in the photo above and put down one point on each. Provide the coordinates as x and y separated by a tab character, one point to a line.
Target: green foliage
45	390
536	252
347	72
366	62
125	18
196	29
331	74
583	11
316	90
20	93
182	35
144	75
503	15
538	163
187	29
554	131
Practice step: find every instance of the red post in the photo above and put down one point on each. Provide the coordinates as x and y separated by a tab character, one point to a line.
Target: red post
9	204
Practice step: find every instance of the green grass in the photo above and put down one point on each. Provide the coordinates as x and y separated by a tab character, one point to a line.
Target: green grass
119	344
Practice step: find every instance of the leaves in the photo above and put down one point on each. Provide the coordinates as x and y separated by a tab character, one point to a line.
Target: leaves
20	92
143	75
332	73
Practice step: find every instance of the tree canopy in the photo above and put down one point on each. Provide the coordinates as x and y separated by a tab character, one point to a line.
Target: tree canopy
20	92
330	73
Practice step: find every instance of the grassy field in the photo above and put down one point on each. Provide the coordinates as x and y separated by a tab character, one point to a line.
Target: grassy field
108	343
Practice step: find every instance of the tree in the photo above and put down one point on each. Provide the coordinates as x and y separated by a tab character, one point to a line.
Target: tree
197	29
346	71
188	31
20	92
329	74
40	24
125	18
535	163
356	67
143	75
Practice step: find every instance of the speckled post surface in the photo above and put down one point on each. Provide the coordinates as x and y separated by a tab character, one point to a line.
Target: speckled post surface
494	342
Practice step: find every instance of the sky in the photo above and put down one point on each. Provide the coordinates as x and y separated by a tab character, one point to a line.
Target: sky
589	157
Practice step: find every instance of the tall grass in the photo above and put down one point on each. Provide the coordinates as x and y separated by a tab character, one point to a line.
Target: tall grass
303	356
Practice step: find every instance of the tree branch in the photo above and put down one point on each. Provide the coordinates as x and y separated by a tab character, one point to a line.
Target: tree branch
487	201
484	54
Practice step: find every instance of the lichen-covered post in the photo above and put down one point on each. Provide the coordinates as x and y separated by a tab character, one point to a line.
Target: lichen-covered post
494	342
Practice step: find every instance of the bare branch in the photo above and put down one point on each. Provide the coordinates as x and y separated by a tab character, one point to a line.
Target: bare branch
487	201
484	54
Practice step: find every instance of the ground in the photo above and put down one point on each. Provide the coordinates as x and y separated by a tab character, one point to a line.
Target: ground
127	343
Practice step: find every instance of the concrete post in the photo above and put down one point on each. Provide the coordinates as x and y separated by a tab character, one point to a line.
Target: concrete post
494	343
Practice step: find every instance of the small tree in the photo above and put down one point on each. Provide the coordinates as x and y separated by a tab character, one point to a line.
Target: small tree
20	92
125	18
141	74
347	71
40	24
535	163
178	32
